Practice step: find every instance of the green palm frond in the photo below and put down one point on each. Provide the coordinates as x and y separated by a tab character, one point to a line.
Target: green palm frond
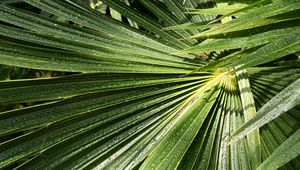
150	84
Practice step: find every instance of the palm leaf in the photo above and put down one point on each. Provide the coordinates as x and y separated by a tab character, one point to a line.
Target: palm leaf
162	89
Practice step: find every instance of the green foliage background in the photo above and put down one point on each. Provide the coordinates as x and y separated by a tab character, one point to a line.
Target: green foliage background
149	84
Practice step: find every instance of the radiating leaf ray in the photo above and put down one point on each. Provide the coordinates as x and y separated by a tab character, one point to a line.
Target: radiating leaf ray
68	86
193	157
178	133
204	158
31	143
40	115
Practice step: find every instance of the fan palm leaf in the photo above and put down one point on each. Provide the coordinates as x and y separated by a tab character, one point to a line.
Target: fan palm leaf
175	87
